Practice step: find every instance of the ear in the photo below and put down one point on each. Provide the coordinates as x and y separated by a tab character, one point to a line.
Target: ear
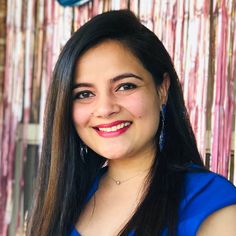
163	89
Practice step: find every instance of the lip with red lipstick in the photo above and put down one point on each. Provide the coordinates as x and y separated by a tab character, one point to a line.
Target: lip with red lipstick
112	129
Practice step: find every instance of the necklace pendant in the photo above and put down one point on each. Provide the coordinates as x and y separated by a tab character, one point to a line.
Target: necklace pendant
118	182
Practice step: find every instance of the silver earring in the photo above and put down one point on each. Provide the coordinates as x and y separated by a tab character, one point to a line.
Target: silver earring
83	151
162	134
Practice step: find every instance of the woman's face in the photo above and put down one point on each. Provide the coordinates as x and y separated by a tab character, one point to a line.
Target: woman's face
116	104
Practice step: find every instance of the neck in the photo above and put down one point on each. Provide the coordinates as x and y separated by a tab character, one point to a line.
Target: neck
123	168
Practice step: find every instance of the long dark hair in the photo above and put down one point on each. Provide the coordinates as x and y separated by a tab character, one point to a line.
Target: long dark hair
64	178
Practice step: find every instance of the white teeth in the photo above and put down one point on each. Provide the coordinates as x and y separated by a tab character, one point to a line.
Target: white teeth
115	128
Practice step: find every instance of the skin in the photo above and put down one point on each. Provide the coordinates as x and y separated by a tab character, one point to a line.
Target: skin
222	222
130	154
106	99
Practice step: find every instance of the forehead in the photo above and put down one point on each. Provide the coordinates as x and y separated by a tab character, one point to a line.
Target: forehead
107	60
104	48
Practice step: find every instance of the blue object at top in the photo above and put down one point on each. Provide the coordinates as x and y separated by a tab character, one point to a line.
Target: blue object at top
72	2
205	193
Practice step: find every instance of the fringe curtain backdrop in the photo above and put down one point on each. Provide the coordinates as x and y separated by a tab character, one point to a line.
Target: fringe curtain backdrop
200	35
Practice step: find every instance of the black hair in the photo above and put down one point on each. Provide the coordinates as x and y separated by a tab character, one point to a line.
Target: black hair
64	178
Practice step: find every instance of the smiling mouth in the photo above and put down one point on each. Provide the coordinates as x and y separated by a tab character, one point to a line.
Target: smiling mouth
115	127
113	130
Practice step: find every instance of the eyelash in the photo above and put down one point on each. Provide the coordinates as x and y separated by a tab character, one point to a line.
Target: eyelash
127	84
77	95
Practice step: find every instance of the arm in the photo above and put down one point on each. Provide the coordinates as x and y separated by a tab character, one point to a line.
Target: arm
221	222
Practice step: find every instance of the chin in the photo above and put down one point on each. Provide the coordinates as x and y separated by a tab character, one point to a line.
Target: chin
114	157
108	150
112	154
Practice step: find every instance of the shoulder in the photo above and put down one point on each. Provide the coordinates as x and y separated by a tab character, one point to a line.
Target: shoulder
202	183
204	193
221	222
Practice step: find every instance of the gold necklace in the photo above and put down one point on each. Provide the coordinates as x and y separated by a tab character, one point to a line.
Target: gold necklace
119	182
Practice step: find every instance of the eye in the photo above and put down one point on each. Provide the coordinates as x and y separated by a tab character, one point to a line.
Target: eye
83	95
126	86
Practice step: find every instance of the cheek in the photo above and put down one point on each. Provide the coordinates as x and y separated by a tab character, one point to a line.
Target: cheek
143	107
80	115
136	108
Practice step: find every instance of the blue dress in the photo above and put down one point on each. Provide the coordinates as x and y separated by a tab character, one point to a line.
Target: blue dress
205	193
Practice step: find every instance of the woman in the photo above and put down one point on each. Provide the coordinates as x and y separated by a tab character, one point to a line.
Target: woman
119	156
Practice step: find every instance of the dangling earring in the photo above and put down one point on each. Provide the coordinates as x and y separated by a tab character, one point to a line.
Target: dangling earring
162	134
83	151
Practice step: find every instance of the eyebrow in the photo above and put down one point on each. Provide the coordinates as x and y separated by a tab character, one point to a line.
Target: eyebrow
115	79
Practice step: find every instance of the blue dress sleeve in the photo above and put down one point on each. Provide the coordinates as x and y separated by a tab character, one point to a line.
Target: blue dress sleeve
204	193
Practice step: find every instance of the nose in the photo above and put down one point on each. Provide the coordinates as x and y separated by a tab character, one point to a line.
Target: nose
106	106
